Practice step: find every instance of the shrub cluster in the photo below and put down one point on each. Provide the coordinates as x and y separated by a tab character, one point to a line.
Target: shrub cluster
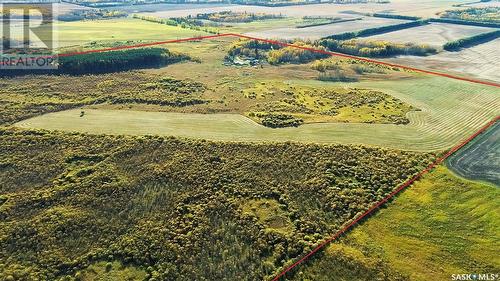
229	16
376	48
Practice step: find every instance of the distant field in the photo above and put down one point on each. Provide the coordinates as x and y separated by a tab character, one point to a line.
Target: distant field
81	32
432	34
451	110
484	4
481	61
480	159
442	225
317	32
426	8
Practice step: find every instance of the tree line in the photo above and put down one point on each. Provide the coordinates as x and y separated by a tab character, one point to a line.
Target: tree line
466	22
471	41
376	48
229	16
120	60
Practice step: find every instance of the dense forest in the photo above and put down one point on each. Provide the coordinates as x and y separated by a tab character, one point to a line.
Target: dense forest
376	48
114	61
176	209
471	41
295	55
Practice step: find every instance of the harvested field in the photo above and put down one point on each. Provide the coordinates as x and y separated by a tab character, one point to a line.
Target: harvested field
316	32
484	4
432	34
481	61
425	8
480	159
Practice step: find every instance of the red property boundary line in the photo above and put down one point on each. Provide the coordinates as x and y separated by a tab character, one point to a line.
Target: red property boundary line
398	190
284	44
394	192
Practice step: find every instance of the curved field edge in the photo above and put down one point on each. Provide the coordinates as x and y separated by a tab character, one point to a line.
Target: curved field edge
480	159
442	225
450	111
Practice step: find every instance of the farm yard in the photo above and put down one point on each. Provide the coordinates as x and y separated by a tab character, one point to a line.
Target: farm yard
480	159
435	34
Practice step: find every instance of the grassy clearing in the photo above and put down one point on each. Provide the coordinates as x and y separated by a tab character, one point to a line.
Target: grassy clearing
125	29
442	225
111	271
325	104
450	111
270	214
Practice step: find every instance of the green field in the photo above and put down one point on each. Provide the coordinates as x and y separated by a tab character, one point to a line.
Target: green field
440	226
450	111
125	29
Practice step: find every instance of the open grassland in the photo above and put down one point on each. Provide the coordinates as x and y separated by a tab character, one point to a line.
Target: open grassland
124	29
480	160
88	207
432	34
450	111
440	226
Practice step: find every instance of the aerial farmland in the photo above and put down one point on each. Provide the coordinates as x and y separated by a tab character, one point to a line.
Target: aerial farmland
257	140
